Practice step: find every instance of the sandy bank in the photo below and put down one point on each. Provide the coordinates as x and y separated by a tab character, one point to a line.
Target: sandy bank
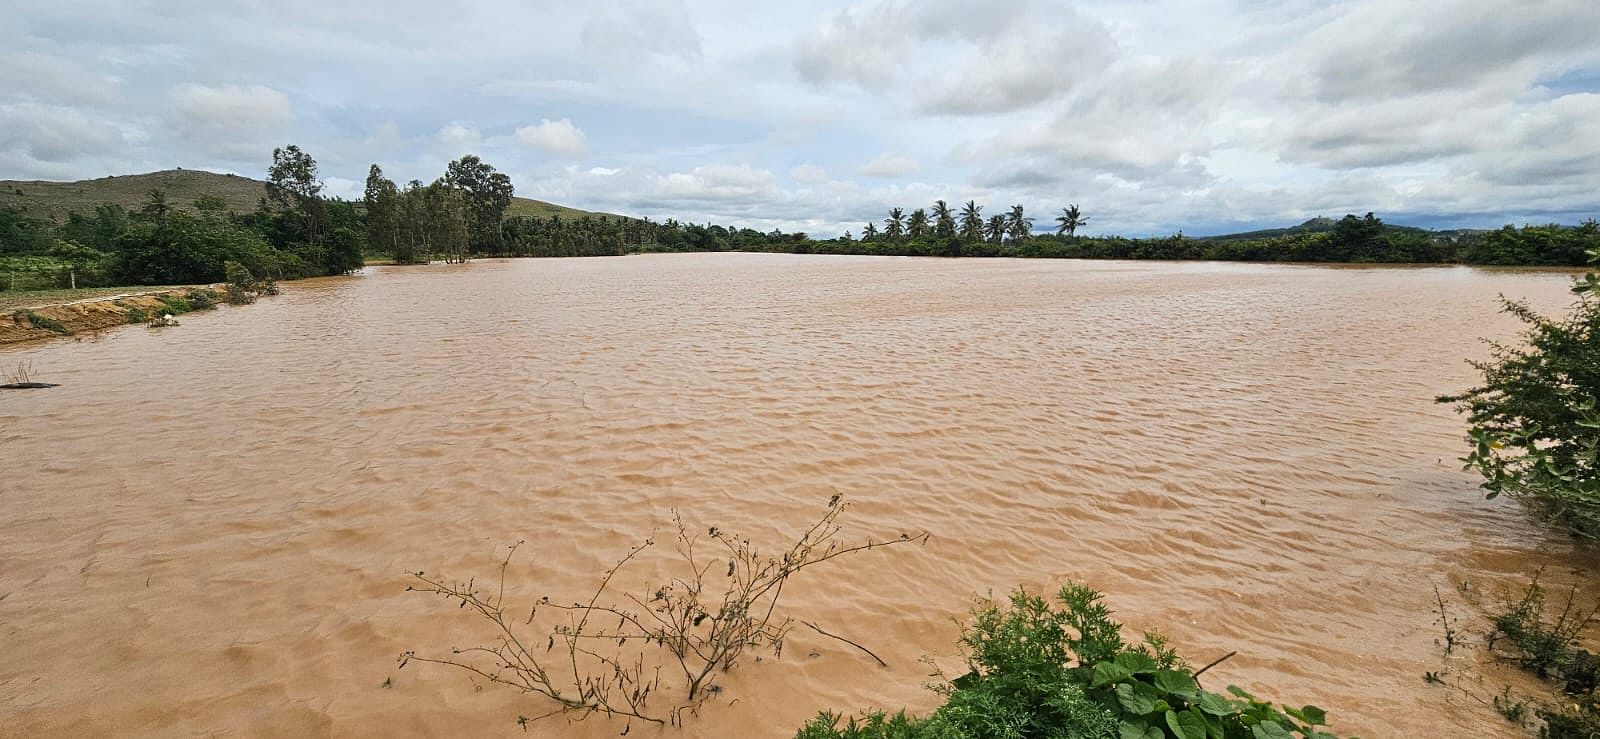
29	324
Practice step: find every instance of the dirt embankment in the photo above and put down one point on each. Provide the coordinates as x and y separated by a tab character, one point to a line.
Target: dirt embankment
29	324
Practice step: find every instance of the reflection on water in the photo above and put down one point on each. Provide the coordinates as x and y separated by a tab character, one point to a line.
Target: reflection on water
207	529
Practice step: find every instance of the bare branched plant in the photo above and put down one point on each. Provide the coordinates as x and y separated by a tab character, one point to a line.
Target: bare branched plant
613	649
22	378
22	375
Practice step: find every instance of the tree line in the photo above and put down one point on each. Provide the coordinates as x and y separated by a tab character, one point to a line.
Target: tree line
296	231
965	232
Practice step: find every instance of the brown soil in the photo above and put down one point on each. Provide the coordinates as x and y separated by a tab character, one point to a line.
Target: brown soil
79	317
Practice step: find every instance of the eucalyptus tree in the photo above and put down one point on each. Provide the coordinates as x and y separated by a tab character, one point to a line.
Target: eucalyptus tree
972	221
293	186
944	220
1018	226
917	226
1070	219
995	229
488	194
894	225
382	200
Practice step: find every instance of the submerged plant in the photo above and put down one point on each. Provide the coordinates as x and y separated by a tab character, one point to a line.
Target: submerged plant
613	647
1535	420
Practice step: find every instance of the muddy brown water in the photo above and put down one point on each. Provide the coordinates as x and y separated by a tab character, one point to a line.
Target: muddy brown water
207	530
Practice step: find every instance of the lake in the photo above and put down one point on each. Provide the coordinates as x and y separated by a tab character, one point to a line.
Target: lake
209	529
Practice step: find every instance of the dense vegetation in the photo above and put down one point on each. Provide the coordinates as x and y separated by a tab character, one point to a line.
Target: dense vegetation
1065	673
1534	422
942	231
294	231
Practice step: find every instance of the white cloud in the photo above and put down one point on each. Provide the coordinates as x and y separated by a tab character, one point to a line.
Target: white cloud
50	78
952	58
229	121
640	31
459	138
808	174
54	134
714	182
891	165
560	138
1154	116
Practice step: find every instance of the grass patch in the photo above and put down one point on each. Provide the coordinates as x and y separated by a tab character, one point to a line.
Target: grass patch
45	322
1544	640
10	301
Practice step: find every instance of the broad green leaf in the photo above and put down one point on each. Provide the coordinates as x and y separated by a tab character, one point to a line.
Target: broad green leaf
1134	702
1176	683
1137	663
1138	730
1312	715
1186	725
1270	730
1216	705
1106	673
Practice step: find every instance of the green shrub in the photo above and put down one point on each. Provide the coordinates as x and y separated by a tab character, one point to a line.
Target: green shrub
202	298
242	286
1534	422
1581	721
175	305
136	315
1065	673
1545	642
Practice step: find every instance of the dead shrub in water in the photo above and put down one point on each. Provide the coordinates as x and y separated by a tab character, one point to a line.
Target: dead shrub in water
701	620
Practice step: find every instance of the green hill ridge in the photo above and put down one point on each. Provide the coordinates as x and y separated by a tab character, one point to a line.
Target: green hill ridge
54	200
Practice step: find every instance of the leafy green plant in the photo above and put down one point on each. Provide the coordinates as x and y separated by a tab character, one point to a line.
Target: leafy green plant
1579	720
202	298
175	305
136	315
1548	646
1512	708
1545	642
242	286
1064	672
1535	420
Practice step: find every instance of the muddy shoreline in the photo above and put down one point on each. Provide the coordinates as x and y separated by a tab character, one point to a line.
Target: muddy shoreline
94	314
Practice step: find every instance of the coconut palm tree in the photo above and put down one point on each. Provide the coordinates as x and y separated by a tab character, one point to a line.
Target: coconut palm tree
1068	222
869	232
972	221
995	229
894	226
944	221
1018	226
917	227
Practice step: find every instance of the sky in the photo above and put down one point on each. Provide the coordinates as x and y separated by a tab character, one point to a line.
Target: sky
1154	116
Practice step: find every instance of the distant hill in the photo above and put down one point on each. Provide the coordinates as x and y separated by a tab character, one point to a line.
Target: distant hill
54	200
1315	225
